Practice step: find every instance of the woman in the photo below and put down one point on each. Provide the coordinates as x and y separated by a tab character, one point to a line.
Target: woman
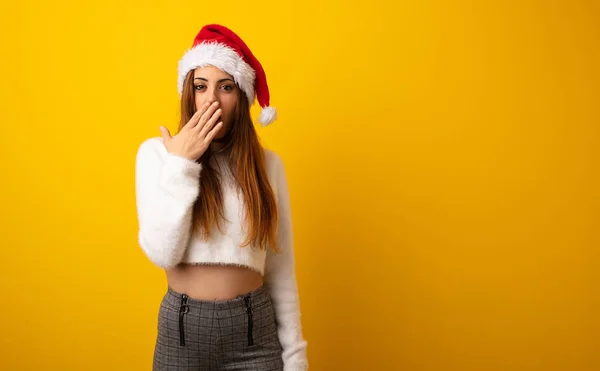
214	212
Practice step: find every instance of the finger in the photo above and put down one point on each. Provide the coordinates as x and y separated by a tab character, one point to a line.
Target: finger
213	132
208	114
196	117
210	123
166	135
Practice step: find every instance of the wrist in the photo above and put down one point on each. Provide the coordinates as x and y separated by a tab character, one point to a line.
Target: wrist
182	155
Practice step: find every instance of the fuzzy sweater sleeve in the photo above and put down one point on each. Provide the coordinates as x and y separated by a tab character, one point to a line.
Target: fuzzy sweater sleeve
166	188
280	279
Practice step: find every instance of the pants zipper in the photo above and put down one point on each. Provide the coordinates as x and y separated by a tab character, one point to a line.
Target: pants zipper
247	301
183	309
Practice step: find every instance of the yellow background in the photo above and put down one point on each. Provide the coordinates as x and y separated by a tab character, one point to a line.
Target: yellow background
443	166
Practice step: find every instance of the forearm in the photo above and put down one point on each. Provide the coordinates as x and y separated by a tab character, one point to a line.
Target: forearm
167	187
286	303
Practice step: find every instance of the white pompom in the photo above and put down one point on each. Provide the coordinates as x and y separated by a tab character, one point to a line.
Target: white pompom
267	116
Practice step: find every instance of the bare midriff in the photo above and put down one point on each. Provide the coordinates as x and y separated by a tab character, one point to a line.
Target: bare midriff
213	282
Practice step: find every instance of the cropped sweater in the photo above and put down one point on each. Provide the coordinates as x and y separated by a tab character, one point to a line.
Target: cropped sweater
167	187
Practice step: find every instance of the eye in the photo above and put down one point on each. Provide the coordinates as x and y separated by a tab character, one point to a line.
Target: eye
199	87
227	87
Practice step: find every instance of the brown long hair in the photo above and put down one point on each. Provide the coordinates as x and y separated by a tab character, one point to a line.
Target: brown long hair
246	160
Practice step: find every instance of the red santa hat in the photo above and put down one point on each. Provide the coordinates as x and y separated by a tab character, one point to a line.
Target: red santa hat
220	47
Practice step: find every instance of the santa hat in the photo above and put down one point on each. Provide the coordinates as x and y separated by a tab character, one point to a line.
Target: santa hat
220	47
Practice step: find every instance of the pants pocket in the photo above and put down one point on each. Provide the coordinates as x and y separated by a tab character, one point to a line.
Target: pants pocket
265	327
168	325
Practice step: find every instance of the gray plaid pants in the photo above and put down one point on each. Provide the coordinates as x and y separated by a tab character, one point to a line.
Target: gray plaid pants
236	334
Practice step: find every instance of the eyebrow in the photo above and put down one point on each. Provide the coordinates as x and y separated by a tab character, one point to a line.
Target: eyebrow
220	81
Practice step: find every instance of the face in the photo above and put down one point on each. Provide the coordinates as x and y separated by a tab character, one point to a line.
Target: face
212	84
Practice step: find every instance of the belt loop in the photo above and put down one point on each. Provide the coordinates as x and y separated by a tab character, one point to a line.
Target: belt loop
248	303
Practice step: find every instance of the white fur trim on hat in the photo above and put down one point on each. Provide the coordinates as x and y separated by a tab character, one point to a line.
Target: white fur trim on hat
267	115
222	57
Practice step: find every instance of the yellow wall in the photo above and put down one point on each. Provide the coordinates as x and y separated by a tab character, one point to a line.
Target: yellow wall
443	165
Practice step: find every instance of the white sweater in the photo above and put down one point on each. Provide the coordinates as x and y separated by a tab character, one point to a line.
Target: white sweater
167	186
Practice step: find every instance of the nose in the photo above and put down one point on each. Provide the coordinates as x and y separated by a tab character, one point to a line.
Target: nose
211	97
